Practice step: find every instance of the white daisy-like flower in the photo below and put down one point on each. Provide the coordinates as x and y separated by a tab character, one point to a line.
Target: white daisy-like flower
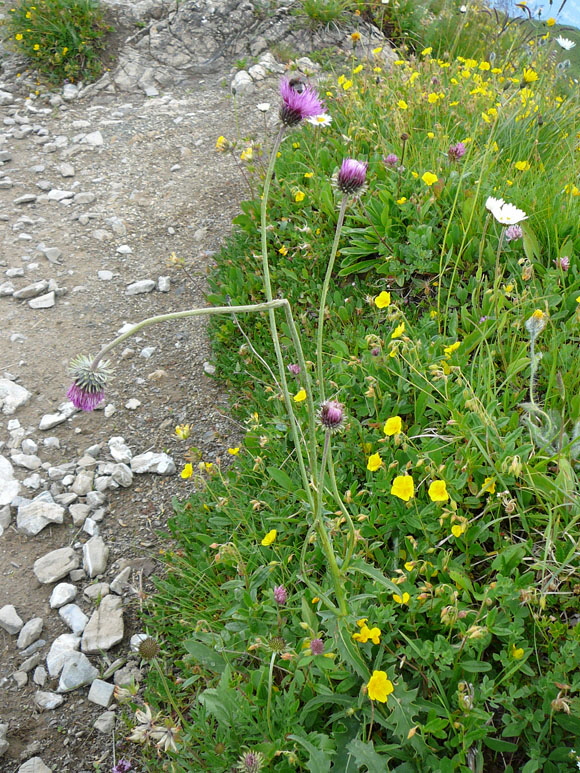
324	119
263	107
492	204
565	43
508	214
462	9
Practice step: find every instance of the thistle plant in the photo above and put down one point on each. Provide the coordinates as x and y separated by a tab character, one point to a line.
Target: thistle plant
300	102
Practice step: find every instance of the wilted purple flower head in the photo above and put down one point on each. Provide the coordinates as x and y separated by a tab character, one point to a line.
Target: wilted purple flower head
391	160
351	176
563	263
88	388
280	595
331	415
513	232
456	151
375	351
294	369
123	766
316	646
251	762
298	102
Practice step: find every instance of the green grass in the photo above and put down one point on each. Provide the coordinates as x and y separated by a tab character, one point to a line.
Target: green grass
62	39
474	594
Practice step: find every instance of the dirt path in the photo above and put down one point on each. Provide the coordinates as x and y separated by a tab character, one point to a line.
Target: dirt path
145	182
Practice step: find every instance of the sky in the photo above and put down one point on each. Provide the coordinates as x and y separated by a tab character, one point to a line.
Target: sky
570	13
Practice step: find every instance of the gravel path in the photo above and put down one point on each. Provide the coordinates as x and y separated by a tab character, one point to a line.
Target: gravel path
95	196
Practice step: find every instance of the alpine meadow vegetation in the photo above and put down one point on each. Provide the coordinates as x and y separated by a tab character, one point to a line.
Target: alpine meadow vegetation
384	575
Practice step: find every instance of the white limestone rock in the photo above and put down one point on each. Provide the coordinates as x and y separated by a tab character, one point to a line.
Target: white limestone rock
55	565
12	396
105	628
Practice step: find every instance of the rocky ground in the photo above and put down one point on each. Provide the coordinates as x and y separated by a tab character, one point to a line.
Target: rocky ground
96	196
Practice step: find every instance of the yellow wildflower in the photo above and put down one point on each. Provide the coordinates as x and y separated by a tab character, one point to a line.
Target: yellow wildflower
299	196
183	431
221	143
233	451
517	652
383	299
247	154
438	491
426	51
403	487
404	599
347	85
522	166
187	471
308	175
489	485
402	200
18	36
374	462
530	75
283	250
269	538
300	396
458	529
398	331
366	633
357	69
355	36
379	687
393	426
451	348
402	105
429	178
550	22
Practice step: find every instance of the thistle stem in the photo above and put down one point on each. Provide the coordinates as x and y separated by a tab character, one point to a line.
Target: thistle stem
274	330
208	311
324	293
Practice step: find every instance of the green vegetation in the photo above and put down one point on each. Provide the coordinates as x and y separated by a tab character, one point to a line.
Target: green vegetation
401	595
62	39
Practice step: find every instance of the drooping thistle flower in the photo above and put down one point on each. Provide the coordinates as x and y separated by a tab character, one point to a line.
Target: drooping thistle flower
299	101
351	177
456	151
280	595
250	762
88	388
513	232
331	415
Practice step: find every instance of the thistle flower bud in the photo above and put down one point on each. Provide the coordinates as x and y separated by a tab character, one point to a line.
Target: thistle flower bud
250	762
391	160
88	388
331	415
351	176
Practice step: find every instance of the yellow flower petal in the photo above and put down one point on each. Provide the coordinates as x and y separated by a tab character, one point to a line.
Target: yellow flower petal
398	331
429	178
374	462
438	491
269	538
379	687
383	299
300	396
403	487
187	471
233	451
393	426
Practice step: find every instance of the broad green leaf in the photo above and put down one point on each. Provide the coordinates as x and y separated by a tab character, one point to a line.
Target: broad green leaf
205	655
365	754
282	478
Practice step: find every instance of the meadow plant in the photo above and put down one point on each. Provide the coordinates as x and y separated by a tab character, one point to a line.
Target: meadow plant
387	575
61	39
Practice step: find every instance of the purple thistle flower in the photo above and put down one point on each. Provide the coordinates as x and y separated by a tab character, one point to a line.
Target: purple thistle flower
456	151
391	160
563	263
294	369
317	646
280	595
298	102
331	415
88	388
513	232
250	762
351	176
123	766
